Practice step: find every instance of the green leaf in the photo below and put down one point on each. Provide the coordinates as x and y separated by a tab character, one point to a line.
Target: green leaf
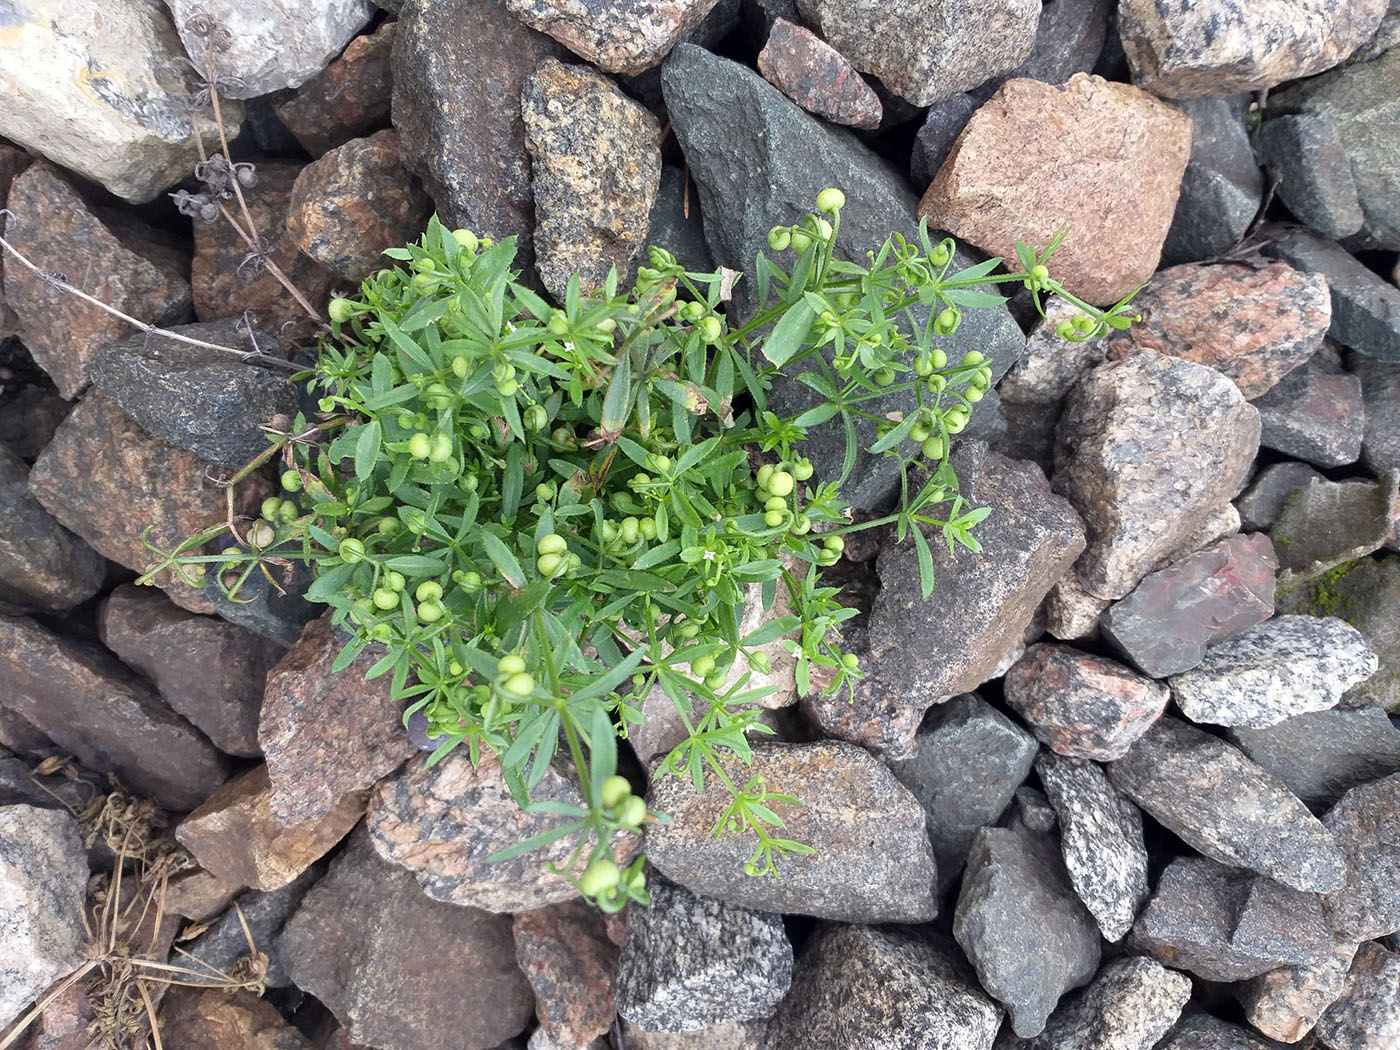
503	559
415	564
367	450
788	334
535	842
617	402
894	437
602	743
968	297
817	415
329	583
925	557
975	271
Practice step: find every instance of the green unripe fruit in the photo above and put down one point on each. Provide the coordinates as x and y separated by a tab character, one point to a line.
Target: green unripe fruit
884	377
974	393
441	450
939	256
634	811
326	404
760	663
779	238
385	599
454	668
601	875
923	366
549	564
460	366
507	388
648	527
291	481
262	534
424	283
1065	329
420	445
536	417
831	200
774	518
851	661
615	791
702	666
630	530
1084	322
827	557
551	543
558	323
972	358
834	543
802	469
465	239
428	591
775	503
938	357
288	511
430	612
801	240
711	328
946	321
1039	272
341	310
824	228
563	437
765	475
607	325
270	507
919	432
715	681
351	551
546	491
780	483
511	663
394	580
801	525
521	684
469	581
381	632
932	448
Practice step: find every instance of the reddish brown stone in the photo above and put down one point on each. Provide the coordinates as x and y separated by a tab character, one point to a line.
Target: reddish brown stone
42	564
208	669
1255	324
235	836
325	733
353	203
570	962
108	480
226	285
12	162
201	1019
817	77
349	98
121	263
29	416
1105	159
107	718
198	895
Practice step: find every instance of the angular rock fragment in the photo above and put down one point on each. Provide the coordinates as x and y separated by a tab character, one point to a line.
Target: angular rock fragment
1366	827
225	941
1051	365
1072	613
1260	505
1314	415
1286	1003
628	37
1316	182
1328	523
1367	1015
348	99
1380	395
42	564
817	77
1223	187
1322	755
1223	805
941	127
571	964
1200	1031
675	223
279	613
217	1019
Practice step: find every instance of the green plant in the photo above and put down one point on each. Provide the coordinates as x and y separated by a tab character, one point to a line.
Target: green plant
546	515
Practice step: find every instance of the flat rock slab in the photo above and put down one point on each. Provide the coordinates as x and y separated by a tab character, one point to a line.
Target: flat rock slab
1314	414
1366	826
1328	523
626	37
1223	187
1324	754
1380	394
1367	1015
1222	804
42	564
846	878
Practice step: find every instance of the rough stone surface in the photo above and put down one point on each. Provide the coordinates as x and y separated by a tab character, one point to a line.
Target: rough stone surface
43	880
1286	1003
1328	523
1254	324
125	265
758	161
1222	804
941	127
1223	187
729	1035
625	37
203	401
1366	826
1129	1006
399	969
1071	612
107	718
571	964
1050	366
1005	179
42	564
272	44
968	761
1200	1031
1315	179
1323	754
215	1019
1260	504
348	99
817	77
847	878
930	50
1147	446
595	168
690	962
224	942
883	987
1367	1015
1380	395
458	68
144	482
1314	415
127	126
675	223
1216	48
1101	838
1022	925
1069	37
326	734
354	202
1285	666
1082	706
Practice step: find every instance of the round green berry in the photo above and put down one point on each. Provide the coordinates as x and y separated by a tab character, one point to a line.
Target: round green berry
779	238
973	358
385	599
932	447
420	445
466	239
291	481
536	417
711	328
634	811
549	564
430	612
521	684
702	666
511	663
780	483
802	469
340	310
774	518
428	591
351	551
601	875
831	200
615	791
441	449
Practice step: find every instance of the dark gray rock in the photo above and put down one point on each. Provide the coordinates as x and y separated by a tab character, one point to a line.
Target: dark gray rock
1366	827
898	989
22	784
1031	812
1315	180
1050	365
1286	1003
1323	754
1101	838
1365	307
934	141
1314	415
1329	523
1367	1014
670	228
1068	39
1380	394
759	160
1222	804
224	942
1203	1032
1022	926
968	760
1263	501
690	962
1223	187
278	612
42	564
1228	924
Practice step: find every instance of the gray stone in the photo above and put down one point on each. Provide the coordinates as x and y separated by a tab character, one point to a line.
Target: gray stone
225	942
1314	415
627	37
278	613
1387	36
941	127
690	962
1380	394
1365	307
1315	182
595	168
1069	37
1367	1014
968	761
261	46
1166	624
1101	838
1228	924
42	564
1051	366
1323	754
867	986
1030	812
729	1035
1366	827
1222	804
1285	666
1328	523
818	77
1203	1032
1129	1006
1264	500
1022	925
675	223
1072	613
1223	188
847	878
43	882
759	160
1286	1003
1146	445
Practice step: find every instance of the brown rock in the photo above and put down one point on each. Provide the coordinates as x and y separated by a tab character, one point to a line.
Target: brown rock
568	959
144	482
42	564
121	263
399	969
1255	324
207	669
225	283
198	895
234	835
347	99
354	202
200	1019
104	716
1286	1003
326	734
817	77
1071	612
1007	179
618	36
12	162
